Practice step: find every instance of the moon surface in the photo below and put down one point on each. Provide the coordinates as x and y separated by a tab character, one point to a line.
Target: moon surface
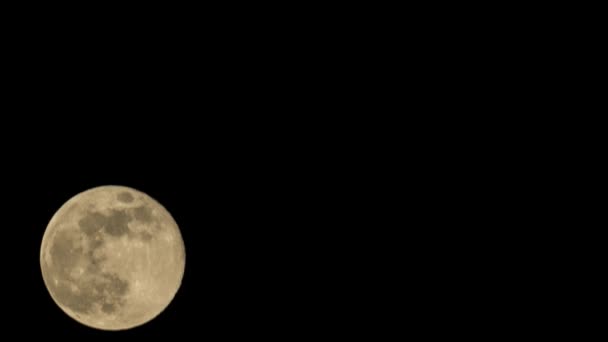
112	258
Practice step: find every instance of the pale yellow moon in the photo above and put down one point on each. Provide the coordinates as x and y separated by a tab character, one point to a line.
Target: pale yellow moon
112	258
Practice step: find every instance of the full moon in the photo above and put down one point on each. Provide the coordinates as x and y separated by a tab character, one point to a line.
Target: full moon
112	258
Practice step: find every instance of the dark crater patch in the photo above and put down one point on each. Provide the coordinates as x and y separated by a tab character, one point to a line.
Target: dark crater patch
114	285
125	197
145	236
108	308
92	223
94	267
95	243
143	214
95	261
116	224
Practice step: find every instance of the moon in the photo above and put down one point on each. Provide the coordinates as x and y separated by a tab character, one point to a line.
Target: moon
112	258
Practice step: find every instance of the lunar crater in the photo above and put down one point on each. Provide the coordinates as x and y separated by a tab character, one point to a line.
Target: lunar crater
143	214
125	197
117	223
